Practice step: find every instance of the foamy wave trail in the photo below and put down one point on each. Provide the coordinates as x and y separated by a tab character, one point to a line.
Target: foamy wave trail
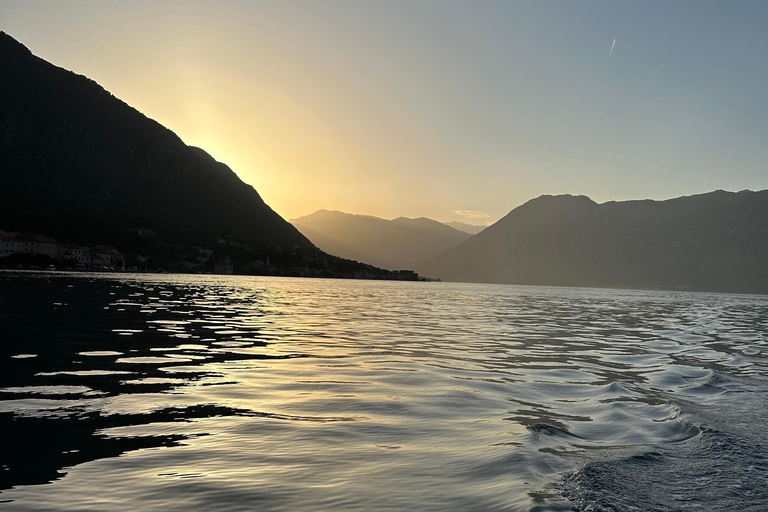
723	469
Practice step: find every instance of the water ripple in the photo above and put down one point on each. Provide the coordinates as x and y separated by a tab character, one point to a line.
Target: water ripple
203	392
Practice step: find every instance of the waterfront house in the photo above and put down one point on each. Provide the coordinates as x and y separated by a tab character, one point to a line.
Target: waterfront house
79	255
105	256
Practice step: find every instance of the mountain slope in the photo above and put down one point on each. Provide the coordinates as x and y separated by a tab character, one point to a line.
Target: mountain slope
78	163
716	241
395	244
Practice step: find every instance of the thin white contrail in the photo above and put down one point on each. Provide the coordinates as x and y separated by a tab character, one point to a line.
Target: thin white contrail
612	46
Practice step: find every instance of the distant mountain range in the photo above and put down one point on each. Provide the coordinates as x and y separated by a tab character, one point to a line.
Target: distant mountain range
400	243
80	165
713	242
467	228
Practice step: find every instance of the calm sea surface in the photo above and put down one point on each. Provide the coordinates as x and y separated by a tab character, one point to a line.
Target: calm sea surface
144	392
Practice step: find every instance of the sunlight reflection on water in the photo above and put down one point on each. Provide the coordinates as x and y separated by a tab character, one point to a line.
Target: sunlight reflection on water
238	393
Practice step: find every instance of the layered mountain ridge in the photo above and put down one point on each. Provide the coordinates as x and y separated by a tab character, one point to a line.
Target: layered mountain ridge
400	243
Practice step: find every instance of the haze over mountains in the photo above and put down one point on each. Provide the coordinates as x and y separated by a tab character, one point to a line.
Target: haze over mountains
715	242
400	243
472	229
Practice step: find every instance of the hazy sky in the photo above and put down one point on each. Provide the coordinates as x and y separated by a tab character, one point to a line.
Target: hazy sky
436	109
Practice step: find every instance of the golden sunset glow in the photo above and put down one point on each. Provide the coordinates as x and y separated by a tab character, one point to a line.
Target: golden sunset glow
383	255
420	109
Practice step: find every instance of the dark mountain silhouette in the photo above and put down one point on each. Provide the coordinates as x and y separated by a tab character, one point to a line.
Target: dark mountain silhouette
467	228
396	244
80	165
716	242
73	153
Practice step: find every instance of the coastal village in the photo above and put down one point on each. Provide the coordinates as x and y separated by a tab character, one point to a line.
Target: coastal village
19	250
97	258
100	257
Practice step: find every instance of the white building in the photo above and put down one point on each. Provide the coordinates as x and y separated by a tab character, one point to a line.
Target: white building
36	244
8	244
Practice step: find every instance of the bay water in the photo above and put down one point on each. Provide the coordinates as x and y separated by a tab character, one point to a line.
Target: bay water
179	392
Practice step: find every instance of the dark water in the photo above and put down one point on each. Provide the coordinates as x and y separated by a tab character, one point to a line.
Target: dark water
227	393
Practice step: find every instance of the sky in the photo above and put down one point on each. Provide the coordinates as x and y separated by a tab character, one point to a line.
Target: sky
440	109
